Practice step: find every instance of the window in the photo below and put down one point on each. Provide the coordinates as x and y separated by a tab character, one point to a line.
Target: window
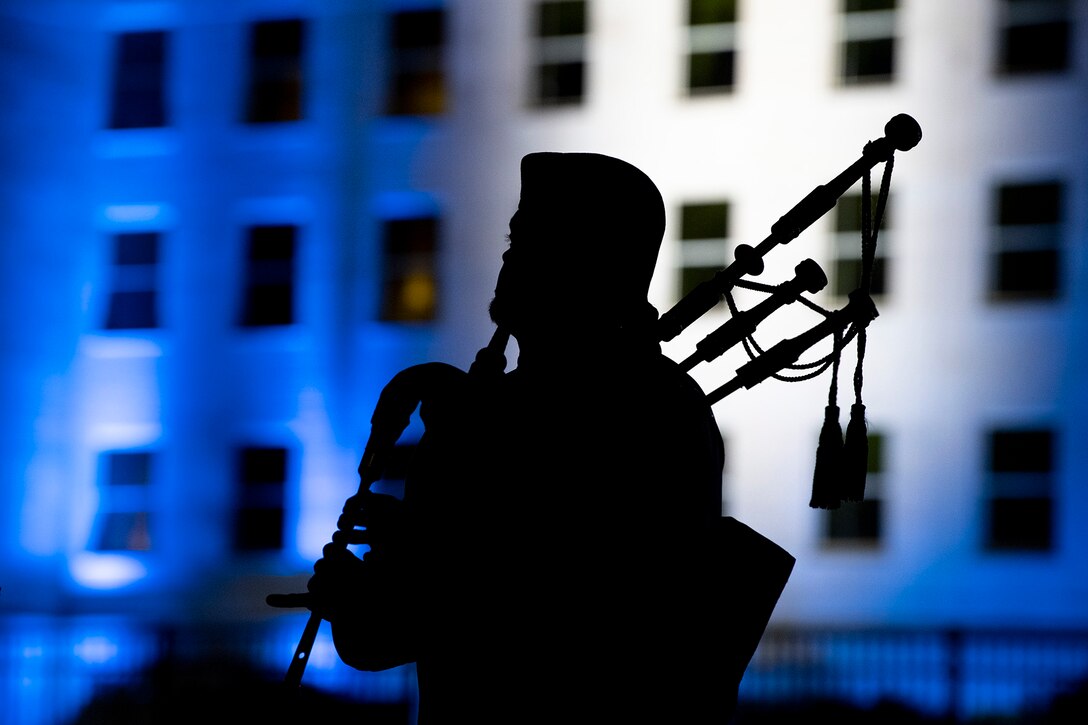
417	80
1027	241
1019	495
124	520
261	479
859	522
269	296
561	51
846	247
712	44
409	270
1035	36
867	52
275	73
133	300
139	78
704	229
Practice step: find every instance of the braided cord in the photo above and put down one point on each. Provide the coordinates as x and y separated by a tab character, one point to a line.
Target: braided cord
870	224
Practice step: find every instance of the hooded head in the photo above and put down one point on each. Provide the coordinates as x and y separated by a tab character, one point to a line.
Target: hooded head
583	245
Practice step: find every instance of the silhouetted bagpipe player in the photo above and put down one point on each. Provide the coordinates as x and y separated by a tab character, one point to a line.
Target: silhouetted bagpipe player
559	553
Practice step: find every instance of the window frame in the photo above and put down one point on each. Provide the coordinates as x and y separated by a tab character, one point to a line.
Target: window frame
1016	488
260	504
864	29
400	266
1045	238
716	42
558	56
700	257
128	278
275	81
416	79
1015	18
124	503
146	79
269	279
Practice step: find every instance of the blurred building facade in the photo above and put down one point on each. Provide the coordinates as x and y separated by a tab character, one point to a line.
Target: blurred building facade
229	225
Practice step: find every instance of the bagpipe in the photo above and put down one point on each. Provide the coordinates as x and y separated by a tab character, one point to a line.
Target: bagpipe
841	461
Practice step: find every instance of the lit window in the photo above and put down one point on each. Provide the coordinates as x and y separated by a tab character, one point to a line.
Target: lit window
409	284
561	51
124	521
417	80
275	73
846	265
1019	495
133	300
704	231
1035	36
868	41
261	479
712	46
1027	241
859	522
139	77
269	294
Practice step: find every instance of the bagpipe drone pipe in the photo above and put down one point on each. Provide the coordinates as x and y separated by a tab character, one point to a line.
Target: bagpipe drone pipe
840	467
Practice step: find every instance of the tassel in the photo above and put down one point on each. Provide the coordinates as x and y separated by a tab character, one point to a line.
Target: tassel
825	477
855	455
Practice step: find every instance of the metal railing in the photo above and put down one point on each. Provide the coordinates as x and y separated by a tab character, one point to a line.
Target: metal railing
52	667
956	675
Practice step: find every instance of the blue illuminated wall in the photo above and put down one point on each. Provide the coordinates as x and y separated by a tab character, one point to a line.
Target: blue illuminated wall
129	255
199	320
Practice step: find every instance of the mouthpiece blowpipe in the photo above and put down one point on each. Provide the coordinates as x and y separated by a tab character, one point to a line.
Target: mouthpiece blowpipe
901	133
397	402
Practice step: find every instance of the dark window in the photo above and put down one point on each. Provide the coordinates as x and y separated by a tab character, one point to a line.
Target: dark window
124	521
125	531
275	73
560	68
1035	36
259	516
1027	241
562	17
139	79
704	221
847	261
710	12
409	283
269	296
129	468
133	299
1020	505
712	42
417	83
861	521
867	52
704	231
